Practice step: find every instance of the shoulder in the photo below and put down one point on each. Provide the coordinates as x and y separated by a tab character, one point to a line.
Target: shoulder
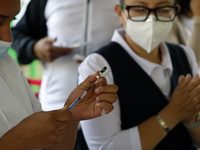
93	58
109	48
179	48
189	54
9	60
191	58
93	61
8	64
188	51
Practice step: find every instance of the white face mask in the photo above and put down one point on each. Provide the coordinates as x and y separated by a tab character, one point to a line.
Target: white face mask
148	34
4	47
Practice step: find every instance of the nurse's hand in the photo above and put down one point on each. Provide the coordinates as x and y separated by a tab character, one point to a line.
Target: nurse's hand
40	130
100	96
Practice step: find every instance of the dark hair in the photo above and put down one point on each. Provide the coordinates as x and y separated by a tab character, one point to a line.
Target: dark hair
185	6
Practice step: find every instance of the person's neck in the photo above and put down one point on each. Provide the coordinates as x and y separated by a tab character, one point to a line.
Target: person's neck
153	56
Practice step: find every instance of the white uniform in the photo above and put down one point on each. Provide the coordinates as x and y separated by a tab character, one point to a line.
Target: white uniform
17	100
73	21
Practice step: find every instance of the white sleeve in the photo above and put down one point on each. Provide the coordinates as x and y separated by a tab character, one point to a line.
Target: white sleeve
105	132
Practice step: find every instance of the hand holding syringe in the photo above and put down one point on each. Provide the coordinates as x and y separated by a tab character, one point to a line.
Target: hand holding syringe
103	72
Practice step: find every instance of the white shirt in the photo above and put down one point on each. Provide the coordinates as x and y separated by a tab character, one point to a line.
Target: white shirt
104	133
17	100
73	21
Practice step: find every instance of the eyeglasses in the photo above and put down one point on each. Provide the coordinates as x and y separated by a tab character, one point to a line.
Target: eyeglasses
140	13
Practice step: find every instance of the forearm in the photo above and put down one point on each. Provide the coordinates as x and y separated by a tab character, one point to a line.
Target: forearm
149	128
69	139
151	132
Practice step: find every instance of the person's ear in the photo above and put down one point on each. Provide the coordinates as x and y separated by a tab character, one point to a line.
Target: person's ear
119	13
179	8
118	10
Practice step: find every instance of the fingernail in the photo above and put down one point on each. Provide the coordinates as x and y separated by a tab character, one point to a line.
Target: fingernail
188	76
96	90
97	98
196	76
101	79
97	104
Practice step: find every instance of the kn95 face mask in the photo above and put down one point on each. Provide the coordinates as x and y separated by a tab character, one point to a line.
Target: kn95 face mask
148	34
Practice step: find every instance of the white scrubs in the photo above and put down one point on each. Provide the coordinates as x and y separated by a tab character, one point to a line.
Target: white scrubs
17	100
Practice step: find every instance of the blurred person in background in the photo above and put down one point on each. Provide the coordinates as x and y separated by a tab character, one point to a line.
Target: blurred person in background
53	33
186	26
